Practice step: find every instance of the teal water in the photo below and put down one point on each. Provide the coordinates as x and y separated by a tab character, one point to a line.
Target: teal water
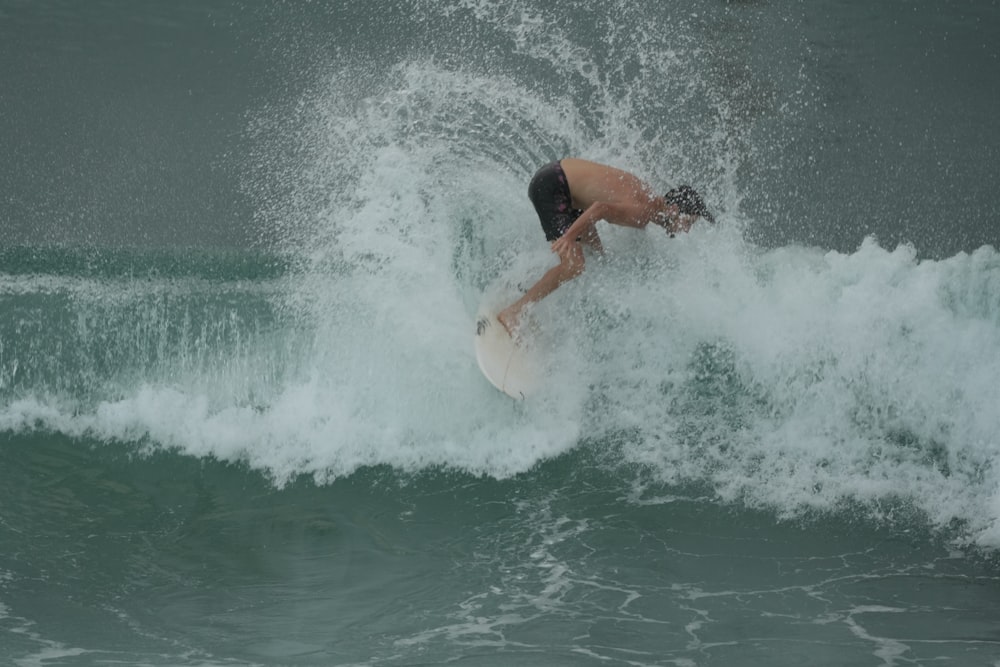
241	253
165	560
187	481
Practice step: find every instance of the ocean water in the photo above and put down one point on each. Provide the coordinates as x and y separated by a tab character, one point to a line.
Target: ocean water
242	246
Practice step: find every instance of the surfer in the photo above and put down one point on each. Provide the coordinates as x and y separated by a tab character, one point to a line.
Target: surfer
572	195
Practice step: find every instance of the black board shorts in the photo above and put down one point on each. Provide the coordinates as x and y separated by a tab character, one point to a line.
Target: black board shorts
549	192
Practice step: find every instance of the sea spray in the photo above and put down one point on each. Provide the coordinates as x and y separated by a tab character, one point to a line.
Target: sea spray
790	378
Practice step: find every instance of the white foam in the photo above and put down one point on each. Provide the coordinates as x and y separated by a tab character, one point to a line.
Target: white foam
790	379
793	379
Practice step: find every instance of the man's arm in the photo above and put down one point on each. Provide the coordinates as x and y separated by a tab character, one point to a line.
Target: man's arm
627	215
571	264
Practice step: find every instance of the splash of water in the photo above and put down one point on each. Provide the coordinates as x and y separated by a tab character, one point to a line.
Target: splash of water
791	378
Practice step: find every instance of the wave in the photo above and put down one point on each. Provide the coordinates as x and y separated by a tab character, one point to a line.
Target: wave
790	378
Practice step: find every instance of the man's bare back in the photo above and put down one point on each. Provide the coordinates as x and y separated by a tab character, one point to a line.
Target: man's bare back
591	182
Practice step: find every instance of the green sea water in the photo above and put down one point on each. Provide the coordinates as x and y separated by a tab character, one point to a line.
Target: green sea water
172	495
242	247
115	557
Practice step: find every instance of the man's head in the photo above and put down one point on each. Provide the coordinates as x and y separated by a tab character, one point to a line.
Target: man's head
688	202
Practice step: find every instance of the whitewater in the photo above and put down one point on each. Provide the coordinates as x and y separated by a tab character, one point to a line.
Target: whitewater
241	254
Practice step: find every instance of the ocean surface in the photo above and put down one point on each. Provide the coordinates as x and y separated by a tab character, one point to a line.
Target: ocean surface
242	247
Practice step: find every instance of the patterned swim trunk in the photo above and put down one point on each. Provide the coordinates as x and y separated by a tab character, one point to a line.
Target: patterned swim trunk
549	192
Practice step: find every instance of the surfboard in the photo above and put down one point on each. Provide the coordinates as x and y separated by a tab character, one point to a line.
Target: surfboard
509	365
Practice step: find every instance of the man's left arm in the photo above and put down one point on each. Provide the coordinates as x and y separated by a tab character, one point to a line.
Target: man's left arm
627	215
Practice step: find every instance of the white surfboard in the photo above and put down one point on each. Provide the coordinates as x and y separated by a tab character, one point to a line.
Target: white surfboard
509	365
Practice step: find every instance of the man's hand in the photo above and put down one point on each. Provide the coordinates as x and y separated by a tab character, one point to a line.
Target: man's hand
561	245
